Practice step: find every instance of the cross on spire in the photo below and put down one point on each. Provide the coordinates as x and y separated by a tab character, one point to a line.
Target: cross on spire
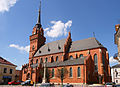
38	25
39	16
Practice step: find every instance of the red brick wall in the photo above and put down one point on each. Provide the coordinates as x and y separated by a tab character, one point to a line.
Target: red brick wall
73	79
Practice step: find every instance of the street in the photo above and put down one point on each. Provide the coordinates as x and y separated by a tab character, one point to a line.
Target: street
55	86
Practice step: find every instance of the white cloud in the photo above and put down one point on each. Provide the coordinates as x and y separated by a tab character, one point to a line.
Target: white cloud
112	60
18	67
5	5
58	29
21	48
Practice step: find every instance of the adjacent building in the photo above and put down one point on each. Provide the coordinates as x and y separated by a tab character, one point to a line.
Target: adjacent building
7	71
117	41
18	76
115	72
87	60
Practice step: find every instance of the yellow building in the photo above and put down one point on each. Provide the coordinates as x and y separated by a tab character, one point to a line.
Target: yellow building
7	71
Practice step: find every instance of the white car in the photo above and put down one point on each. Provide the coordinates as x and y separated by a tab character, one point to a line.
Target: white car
109	84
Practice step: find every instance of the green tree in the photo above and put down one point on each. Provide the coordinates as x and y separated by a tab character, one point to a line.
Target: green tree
62	74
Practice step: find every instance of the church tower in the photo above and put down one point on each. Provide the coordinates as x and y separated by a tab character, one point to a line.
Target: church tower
37	38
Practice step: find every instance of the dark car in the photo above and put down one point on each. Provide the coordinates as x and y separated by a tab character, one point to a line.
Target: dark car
117	85
46	85
27	82
14	83
68	85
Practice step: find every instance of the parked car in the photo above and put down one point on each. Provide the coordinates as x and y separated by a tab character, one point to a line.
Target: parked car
118	85
27	82
109	84
14	83
46	85
68	85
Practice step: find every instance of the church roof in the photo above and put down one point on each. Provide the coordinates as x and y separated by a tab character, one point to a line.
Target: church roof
116	66
58	46
66	63
85	44
3	61
52	47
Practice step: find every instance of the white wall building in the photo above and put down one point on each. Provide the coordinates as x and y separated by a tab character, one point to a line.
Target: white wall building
115	72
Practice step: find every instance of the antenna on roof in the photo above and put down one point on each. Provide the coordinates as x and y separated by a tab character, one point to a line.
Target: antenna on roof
93	34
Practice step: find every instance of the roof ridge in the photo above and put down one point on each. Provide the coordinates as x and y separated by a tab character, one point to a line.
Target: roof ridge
85	39
55	41
4	61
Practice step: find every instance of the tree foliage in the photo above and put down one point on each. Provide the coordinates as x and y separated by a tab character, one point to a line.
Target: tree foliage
62	74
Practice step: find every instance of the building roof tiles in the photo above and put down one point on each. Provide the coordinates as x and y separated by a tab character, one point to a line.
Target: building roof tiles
3	61
58	46
68	62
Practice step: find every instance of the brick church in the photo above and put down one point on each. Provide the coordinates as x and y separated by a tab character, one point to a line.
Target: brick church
87	60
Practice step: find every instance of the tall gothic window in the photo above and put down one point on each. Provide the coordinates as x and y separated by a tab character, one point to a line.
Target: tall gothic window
81	55
37	61
33	47
52	60
76	56
96	62
53	73
41	60
46	59
78	72
103	60
57	58
70	72
32	61
71	57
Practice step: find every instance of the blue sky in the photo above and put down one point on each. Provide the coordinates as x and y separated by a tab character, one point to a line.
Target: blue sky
83	17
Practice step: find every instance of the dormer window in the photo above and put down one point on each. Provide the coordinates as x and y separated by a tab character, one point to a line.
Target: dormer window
48	48
59	47
39	51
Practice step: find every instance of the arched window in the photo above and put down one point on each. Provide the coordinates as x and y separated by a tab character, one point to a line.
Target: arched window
36	61
78	72
53	73
76	55
32	61
41	60
33	47
52	60
57	58
103	60
46	59
81	55
71	57
70	72
96	62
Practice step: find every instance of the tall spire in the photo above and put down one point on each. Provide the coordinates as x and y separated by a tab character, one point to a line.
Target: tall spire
38	25
39	16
